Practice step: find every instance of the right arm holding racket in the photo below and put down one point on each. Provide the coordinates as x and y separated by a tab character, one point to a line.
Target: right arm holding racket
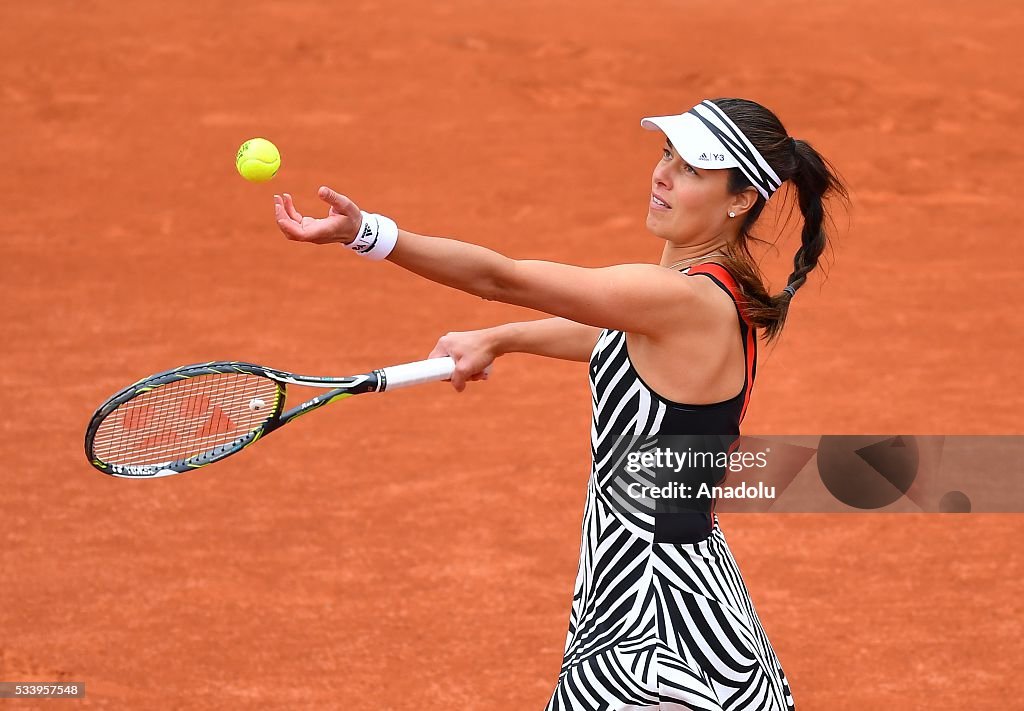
473	351
638	298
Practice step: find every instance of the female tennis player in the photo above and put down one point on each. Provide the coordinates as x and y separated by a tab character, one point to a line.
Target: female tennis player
661	617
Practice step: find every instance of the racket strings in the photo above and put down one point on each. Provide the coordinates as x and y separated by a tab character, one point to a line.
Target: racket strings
185	418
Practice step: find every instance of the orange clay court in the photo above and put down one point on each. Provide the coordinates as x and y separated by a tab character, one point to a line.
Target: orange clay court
417	550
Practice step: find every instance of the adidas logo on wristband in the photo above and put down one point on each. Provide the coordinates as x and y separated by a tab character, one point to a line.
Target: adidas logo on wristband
376	238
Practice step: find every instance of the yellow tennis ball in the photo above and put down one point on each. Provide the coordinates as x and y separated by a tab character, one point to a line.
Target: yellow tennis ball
258	160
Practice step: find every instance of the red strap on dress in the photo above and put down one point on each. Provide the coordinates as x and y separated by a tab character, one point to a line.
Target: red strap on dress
723	275
750	342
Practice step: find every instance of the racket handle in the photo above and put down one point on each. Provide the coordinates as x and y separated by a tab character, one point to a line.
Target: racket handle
422	371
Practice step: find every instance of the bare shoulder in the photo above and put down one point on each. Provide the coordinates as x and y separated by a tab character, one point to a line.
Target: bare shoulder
711	302
699	358
694	302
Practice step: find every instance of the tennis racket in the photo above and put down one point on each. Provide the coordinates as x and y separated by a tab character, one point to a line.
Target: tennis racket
196	415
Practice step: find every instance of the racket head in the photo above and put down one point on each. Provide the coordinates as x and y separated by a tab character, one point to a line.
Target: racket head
183	419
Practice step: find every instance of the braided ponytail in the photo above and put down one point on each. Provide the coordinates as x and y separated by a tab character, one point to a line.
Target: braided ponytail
815	180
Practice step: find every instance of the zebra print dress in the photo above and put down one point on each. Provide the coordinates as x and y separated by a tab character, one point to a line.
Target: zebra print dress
661	617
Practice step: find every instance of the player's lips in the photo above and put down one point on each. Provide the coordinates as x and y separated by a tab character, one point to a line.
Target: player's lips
658	203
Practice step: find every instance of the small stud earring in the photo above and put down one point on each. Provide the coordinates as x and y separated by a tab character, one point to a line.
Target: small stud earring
732	214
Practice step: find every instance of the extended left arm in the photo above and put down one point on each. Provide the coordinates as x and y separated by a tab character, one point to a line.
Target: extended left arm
628	297
640	298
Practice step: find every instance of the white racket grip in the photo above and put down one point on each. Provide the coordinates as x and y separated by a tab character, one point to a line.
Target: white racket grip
422	371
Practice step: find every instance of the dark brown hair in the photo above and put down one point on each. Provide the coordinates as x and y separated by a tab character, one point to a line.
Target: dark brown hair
815	180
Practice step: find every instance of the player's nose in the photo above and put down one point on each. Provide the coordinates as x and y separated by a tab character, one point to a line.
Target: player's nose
661	177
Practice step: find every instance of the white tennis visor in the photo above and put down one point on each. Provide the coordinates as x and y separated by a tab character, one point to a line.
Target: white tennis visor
692	140
706	138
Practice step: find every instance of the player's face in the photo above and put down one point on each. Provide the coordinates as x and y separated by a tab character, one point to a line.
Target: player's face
687	205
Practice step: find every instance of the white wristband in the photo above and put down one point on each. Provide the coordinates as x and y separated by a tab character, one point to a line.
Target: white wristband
376	238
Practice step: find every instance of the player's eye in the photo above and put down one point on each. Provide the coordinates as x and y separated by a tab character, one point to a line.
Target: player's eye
666	154
689	168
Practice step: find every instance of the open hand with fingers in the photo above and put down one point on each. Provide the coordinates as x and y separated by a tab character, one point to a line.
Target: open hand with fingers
341	224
